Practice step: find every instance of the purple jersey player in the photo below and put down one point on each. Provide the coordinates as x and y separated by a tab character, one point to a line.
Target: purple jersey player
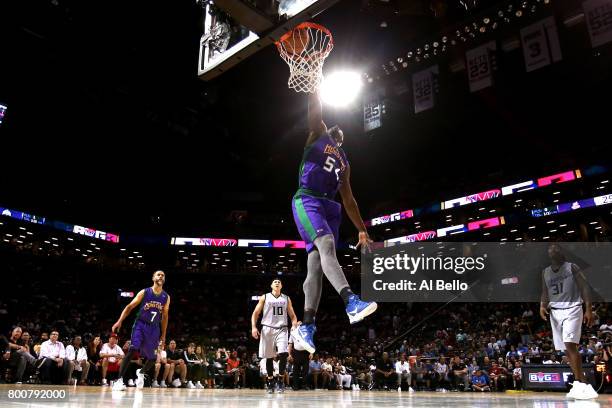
147	335
325	171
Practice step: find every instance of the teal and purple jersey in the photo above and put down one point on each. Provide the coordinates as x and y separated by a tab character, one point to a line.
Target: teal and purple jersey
321	172
146	330
152	306
322	168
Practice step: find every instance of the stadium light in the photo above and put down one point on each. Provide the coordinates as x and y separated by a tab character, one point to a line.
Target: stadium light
341	88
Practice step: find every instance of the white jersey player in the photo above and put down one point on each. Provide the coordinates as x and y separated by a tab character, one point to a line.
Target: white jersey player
564	291
274	334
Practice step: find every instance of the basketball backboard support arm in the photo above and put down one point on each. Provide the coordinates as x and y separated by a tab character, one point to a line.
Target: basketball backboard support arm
246	15
211	65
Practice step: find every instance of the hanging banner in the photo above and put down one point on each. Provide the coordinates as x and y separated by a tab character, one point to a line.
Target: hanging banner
480	63
598	14
372	114
424	84
541	45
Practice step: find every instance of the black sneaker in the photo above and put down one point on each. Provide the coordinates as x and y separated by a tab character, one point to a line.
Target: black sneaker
270	386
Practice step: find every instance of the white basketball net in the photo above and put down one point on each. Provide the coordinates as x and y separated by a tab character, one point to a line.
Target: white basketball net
305	67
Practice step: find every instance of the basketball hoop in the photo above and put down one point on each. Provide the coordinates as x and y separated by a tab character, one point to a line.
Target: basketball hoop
304	49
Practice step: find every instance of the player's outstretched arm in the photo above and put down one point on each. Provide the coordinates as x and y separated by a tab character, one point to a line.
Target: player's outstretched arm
127	310
255	316
291	313
544	299
164	321
585	293
316	126
352	209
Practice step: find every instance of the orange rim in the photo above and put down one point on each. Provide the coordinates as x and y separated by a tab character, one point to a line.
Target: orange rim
306	24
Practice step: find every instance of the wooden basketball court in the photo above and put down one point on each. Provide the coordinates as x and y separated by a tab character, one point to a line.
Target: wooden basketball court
155	397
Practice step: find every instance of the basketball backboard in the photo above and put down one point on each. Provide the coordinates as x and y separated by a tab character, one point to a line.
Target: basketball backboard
236	29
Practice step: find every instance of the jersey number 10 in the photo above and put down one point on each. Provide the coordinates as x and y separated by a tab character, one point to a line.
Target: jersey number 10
277	310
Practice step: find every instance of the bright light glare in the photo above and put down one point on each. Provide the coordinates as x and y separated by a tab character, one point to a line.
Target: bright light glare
340	88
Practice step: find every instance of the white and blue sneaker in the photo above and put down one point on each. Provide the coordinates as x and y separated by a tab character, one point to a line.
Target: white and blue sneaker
303	335
140	379
357	310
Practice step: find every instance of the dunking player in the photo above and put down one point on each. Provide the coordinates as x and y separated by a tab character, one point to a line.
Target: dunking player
154	306
323	172
564	289
274	335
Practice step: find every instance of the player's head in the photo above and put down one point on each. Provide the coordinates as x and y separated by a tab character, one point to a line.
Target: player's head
555	253
159	277
16	333
276	284
337	134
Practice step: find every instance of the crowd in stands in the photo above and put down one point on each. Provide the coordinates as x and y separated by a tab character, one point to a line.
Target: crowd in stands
56	329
